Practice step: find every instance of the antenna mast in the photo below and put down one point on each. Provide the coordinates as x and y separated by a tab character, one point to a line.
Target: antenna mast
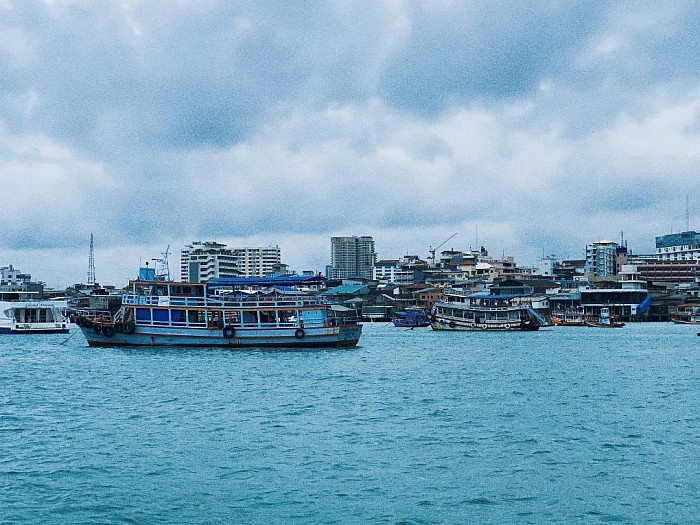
162	266
91	263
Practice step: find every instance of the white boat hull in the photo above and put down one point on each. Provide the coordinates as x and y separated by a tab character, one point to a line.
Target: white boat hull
457	325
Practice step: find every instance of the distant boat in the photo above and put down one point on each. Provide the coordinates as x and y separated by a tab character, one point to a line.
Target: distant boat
34	317
567	318
605	320
483	312
688	313
411	318
235	313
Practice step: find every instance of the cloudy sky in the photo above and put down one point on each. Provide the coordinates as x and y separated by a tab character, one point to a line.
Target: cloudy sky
528	127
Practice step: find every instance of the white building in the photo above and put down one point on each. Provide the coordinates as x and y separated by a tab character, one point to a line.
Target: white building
601	258
201	261
10	275
259	261
678	246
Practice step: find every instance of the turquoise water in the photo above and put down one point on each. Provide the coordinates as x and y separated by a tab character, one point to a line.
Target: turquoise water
566	425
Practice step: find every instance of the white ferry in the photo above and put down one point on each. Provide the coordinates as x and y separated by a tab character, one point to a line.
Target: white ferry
242	312
478	312
33	317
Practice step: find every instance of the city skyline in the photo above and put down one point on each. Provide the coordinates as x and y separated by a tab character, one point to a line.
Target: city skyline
526	127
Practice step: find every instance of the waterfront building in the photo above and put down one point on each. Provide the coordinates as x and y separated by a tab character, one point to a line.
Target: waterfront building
678	246
601	258
258	261
352	257
672	272
201	261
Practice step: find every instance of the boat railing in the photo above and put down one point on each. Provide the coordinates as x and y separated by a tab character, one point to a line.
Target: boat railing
221	302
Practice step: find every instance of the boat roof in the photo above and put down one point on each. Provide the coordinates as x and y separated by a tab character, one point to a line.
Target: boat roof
277	281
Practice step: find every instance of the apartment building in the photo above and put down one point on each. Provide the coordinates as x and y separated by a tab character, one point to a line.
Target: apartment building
352	257
258	261
201	261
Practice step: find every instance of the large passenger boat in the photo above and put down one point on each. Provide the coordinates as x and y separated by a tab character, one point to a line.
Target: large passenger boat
33	317
460	311
241	312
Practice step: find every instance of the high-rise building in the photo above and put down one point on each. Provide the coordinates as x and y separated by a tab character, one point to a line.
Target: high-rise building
258	262
201	261
352	257
601	258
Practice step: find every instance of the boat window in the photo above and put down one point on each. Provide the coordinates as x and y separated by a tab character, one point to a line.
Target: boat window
177	316
143	314
267	317
215	319
161	316
196	317
231	317
287	316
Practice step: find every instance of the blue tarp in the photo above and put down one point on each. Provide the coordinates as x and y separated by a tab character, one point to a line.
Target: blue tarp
644	305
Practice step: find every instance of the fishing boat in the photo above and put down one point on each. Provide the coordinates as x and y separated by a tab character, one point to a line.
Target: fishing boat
477	312
34	317
233	313
411	318
606	320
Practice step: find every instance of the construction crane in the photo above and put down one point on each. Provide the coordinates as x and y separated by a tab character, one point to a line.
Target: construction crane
433	250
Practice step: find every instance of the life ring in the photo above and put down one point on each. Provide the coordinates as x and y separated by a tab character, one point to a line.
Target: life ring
229	331
97	328
473	325
507	326
129	328
108	331
299	334
452	324
484	327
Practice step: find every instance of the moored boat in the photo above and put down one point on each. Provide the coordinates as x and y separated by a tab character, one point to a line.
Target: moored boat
411	318
483	312
235	313
606	320
567	318
33	317
688	313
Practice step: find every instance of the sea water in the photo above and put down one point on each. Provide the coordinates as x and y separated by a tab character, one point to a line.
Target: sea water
564	425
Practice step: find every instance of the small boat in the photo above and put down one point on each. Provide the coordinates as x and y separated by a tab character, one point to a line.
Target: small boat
233	313
567	318
34	317
688	313
483	313
605	320
411	318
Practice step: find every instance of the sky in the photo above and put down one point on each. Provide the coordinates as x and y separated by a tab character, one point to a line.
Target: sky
528	127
